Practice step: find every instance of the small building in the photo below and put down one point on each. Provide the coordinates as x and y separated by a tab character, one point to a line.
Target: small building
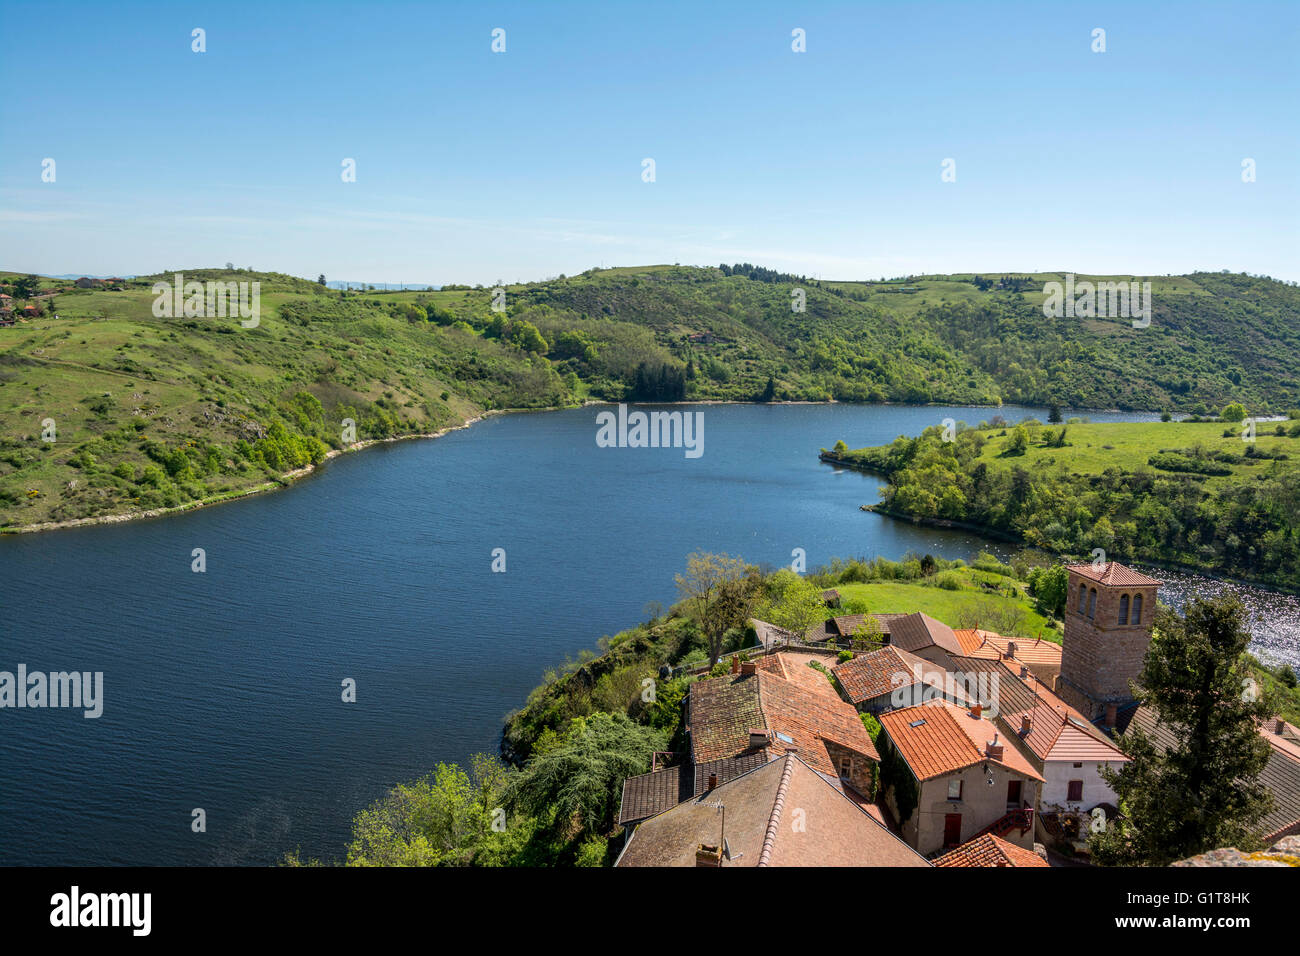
1056	738
988	850
891	678
780	706
782	813
831	598
958	778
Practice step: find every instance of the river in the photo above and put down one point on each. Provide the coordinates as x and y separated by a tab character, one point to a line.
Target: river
223	689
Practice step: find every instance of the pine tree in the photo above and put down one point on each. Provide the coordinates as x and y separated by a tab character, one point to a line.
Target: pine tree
1204	792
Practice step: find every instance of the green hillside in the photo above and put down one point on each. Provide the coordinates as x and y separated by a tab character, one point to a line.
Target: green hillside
1188	493
160	412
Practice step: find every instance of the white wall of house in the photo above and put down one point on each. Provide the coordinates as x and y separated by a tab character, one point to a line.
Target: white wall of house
1059	773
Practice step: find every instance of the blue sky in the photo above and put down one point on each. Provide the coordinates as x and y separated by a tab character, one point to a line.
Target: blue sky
474	166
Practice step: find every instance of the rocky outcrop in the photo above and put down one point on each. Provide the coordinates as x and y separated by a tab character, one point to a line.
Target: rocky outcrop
1285	852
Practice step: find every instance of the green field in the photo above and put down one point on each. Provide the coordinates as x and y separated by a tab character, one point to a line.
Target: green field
1184	493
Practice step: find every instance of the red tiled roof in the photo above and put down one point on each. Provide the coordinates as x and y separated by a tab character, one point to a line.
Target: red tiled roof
762	808
868	676
1112	573
915	632
938	737
801	715
989	850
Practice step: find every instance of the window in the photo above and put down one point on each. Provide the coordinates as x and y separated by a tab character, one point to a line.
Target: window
1075	794
1092	602
1078	766
954	789
1137	610
1123	609
846	767
1083	597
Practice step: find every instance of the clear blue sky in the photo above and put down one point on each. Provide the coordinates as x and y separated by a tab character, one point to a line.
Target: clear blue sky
474	166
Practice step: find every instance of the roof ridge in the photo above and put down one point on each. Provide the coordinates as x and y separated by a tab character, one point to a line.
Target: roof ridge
774	820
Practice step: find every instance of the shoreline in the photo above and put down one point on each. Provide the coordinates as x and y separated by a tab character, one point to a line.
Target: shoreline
283	481
289	477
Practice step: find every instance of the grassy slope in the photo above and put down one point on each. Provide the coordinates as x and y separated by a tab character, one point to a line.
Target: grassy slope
115	378
954	607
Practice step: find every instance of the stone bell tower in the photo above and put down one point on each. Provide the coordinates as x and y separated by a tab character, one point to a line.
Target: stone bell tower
1108	614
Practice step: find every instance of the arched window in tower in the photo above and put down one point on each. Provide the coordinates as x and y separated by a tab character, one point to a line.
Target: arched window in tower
1092	602
1083	597
1136	617
1123	608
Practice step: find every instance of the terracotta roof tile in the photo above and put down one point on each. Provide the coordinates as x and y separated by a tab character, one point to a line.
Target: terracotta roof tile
989	850
1112	573
938	737
868	676
760	807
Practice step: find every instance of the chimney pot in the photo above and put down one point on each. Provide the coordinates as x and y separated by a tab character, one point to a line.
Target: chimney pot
713	781
1011	648
977	710
1025	723
735	665
1024	671
706	855
1112	715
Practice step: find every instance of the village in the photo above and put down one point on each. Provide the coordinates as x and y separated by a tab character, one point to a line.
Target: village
23	298
989	751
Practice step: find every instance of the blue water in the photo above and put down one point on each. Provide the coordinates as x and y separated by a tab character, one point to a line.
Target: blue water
222	689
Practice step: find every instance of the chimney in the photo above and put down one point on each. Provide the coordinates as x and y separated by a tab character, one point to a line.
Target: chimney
1025	724
1024	671
713	781
758	737
735	665
977	711
994	749
1112	715
1011	649
706	855
749	667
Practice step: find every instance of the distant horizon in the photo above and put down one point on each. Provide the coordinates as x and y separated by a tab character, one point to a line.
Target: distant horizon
416	286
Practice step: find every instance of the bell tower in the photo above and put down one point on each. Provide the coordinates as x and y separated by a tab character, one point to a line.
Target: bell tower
1108	614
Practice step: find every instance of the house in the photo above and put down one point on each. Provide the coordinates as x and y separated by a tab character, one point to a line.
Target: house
990	850
88	283
779	706
30	311
782	813
917	633
1057	739
891	677
652	793
949	775
1043	658
1281	775
831	598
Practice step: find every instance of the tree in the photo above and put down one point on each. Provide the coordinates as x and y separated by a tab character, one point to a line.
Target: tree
719	591
26	286
577	784
443	819
1204	792
1048	586
320	279
769	392
795	604
1018	443
1054	414
1233	412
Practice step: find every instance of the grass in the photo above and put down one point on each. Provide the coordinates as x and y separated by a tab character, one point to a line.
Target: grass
970	606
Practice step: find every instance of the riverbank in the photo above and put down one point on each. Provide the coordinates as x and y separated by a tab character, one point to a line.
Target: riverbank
283	481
